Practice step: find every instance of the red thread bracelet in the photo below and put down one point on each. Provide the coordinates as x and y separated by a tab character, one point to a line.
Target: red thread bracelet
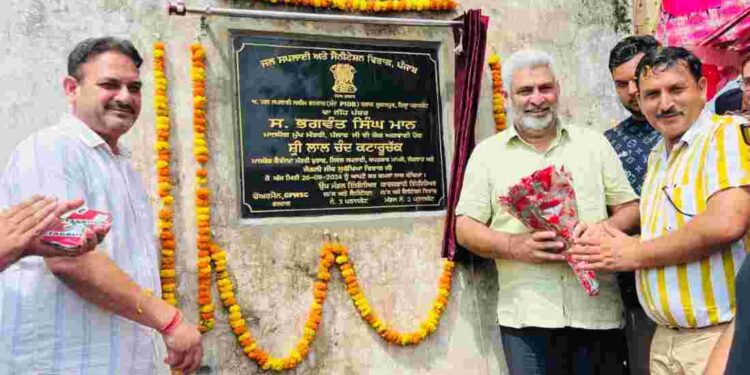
169	327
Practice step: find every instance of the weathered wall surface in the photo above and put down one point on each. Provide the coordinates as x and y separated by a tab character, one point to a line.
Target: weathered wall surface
274	262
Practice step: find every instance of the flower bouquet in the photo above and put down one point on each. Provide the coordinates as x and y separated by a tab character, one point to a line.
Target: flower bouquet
545	200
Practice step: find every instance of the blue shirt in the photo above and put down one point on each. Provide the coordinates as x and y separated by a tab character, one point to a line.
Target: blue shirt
633	140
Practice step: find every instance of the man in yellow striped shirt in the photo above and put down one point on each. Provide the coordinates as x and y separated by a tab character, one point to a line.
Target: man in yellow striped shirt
695	214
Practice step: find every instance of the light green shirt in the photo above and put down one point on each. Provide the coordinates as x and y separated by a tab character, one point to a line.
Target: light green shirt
547	295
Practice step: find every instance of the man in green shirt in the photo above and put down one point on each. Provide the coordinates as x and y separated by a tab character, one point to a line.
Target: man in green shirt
548	322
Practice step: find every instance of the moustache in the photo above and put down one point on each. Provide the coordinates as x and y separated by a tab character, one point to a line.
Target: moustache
118	106
669	113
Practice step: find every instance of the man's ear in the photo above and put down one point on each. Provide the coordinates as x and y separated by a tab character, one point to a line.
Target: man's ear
70	86
703	86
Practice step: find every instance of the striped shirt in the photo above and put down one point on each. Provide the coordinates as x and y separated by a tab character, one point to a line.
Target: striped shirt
46	328
711	156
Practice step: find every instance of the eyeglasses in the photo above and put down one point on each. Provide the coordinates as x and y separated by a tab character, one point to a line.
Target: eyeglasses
745	130
669	198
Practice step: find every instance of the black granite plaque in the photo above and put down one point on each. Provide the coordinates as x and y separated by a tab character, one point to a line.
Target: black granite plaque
338	128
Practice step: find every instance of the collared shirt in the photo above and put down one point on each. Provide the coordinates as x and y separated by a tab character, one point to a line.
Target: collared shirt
547	295
710	156
633	140
45	327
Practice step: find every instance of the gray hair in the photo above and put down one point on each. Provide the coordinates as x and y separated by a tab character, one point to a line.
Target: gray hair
525	59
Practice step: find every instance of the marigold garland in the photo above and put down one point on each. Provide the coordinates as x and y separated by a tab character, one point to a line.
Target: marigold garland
212	258
373	6
202	192
330	254
498	103
164	182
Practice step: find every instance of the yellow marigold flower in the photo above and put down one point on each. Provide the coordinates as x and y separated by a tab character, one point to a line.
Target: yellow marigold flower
341	259
226	295
309	333
347	272
234	308
199	101
220	262
243	336
167	253
207	308
164	127
168	287
277	365
225	288
443	292
203	217
219	255
161	164
158	52
296	356
205	270
167	273
235	316
494	59
199	141
200	150
237	323
161	145
222	282
201	181
168	200
164	186
164	224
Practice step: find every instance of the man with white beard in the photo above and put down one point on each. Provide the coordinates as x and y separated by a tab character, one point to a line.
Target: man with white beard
549	325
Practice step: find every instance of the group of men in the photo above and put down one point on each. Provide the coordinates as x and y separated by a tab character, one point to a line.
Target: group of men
84	311
666	193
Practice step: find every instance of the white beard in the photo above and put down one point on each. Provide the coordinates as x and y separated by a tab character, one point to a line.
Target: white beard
531	122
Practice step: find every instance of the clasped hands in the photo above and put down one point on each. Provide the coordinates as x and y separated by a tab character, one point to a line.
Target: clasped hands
600	246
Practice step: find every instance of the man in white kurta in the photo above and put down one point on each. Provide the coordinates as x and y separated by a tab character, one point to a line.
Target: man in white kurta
90	314
46	327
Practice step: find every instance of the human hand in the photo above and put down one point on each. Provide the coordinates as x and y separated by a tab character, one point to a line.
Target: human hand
611	251
22	225
91	239
536	247
584	229
184	347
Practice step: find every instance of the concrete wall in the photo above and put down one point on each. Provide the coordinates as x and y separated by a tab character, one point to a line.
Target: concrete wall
273	262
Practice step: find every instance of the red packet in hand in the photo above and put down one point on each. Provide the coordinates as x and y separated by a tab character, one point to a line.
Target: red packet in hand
69	233
91	218
65	236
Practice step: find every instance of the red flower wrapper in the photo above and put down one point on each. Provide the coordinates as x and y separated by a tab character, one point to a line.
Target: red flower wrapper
545	200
